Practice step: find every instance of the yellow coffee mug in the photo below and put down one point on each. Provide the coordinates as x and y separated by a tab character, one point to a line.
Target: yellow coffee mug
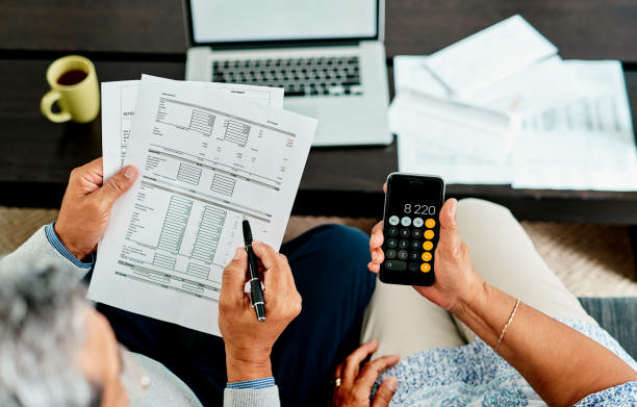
74	87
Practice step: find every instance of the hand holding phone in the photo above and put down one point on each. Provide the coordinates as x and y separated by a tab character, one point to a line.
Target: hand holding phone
411	228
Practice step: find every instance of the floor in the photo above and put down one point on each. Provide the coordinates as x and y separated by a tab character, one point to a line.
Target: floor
591	260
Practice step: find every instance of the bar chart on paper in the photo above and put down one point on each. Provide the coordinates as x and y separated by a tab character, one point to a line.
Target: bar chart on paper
207	161
201	192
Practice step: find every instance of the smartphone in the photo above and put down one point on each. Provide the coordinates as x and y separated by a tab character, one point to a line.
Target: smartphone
410	228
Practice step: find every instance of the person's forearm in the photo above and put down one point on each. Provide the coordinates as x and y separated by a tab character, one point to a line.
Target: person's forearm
240	371
561	364
43	247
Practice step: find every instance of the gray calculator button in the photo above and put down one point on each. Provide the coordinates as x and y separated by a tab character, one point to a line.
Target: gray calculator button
404	233
392	243
395	265
391	254
392	231
415	244
414	256
403	244
403	255
416	233
418	222
394	220
405	221
413	267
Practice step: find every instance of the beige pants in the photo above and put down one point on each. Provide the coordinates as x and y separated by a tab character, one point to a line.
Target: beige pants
405	323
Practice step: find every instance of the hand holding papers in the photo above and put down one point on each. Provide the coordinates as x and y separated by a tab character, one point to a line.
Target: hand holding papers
205	159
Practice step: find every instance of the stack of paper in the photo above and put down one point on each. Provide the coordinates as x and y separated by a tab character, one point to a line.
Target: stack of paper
553	123
209	156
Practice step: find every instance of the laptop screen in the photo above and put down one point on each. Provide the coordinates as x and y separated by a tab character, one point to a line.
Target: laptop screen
234	21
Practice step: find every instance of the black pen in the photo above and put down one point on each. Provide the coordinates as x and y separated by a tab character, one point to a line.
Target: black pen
256	293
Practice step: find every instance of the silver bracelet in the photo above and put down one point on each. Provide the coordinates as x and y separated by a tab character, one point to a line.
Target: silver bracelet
506	326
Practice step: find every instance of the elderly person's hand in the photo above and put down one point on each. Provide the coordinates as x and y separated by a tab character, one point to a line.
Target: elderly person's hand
86	207
355	383
456	279
552	367
249	342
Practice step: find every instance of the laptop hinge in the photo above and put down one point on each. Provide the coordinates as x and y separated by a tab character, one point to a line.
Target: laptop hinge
283	45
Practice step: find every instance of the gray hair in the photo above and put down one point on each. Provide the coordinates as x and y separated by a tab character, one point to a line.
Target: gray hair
42	330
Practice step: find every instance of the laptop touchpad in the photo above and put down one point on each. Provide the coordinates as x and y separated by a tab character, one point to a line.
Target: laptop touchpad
310	111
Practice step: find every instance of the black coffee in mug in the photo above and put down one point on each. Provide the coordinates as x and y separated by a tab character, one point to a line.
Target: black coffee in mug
72	77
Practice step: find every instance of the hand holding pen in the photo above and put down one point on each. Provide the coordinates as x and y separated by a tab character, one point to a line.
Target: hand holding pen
249	342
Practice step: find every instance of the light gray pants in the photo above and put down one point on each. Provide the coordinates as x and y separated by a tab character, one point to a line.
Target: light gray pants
405	323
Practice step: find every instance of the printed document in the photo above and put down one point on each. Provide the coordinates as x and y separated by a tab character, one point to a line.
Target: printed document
489	55
118	110
206	162
587	144
533	89
463	144
562	124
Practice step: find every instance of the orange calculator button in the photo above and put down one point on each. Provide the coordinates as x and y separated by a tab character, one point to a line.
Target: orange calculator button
426	256
425	267
429	234
430	223
427	245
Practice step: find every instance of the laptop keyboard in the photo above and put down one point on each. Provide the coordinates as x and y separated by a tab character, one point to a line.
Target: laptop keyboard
317	76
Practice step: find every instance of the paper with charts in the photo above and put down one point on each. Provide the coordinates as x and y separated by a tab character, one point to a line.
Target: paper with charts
206	161
118	111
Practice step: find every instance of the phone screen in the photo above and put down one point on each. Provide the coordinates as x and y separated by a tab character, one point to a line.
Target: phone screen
410	228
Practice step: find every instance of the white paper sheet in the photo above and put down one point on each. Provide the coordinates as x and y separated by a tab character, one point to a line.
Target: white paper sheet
411	74
534	89
537	87
206	161
462	144
489	55
587	144
118	110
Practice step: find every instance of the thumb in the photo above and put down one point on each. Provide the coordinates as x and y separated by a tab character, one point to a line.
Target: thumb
449	237
118	185
385	392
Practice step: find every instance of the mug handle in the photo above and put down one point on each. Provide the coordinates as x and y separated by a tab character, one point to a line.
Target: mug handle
46	106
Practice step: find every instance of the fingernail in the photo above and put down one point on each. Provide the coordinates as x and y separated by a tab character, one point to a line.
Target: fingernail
239	253
453	208
130	171
392	383
255	243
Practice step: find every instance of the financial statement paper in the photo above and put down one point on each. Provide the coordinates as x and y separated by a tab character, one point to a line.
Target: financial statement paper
118	110
586	144
483	58
206	161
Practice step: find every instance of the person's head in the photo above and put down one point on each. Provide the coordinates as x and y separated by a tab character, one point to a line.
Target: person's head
55	349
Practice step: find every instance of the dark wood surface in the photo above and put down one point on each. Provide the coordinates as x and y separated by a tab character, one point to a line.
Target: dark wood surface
126	38
588	29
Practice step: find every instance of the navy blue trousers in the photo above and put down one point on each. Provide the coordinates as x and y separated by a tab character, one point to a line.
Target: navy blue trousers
329	264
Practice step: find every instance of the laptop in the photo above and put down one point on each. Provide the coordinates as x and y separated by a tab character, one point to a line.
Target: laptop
328	55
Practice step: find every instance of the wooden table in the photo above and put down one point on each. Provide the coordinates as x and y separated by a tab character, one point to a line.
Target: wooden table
126	38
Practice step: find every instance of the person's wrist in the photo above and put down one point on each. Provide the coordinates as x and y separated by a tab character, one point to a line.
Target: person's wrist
69	242
244	369
474	298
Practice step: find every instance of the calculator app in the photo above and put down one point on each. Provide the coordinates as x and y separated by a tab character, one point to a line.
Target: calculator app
411	228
